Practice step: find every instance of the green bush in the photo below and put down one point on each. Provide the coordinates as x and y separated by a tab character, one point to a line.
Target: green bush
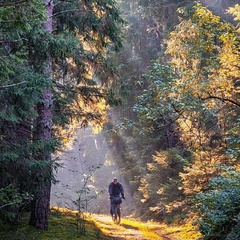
219	206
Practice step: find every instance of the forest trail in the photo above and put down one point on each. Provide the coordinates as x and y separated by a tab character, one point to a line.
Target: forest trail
131	229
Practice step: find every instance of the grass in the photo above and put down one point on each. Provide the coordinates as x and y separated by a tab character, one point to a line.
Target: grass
167	231
63	224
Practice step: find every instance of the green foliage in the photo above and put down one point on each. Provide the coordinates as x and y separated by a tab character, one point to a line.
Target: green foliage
155	106
219	205
10	201
233	139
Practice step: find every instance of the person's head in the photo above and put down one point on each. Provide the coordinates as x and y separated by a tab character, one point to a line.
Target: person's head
115	181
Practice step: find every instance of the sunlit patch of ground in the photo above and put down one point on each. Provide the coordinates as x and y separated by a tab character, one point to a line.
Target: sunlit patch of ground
135	230
183	232
128	229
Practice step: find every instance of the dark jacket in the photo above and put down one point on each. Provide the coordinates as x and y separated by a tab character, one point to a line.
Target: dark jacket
115	189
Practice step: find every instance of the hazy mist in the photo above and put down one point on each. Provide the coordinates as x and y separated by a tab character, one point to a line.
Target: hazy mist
87	170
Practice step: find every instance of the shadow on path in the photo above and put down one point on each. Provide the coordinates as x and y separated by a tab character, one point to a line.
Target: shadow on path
129	229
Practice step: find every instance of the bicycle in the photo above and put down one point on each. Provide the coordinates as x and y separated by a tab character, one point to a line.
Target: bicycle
115	209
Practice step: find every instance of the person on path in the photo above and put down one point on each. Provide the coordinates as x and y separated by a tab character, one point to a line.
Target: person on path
115	189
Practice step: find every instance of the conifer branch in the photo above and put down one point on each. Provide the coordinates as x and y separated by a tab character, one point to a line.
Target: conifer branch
8	204
11	85
8	4
12	41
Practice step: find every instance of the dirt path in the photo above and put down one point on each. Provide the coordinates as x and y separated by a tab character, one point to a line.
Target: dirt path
130	229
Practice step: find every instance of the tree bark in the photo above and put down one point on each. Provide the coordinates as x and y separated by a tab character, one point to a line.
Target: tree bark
43	135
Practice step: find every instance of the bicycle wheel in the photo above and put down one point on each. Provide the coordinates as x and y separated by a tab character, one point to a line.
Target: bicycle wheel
118	220
114	213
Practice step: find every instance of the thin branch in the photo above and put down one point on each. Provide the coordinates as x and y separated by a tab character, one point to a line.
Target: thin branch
12	3
13	41
221	99
8	204
11	85
175	4
176	110
61	2
66	11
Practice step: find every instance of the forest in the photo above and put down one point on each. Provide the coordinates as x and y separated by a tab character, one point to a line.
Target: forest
159	79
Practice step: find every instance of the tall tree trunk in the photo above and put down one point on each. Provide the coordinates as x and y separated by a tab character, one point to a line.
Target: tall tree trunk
41	201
